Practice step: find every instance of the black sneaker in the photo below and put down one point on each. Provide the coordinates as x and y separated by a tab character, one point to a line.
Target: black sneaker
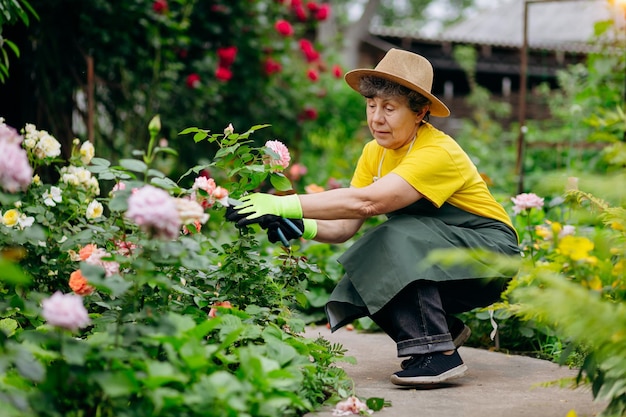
432	368
459	332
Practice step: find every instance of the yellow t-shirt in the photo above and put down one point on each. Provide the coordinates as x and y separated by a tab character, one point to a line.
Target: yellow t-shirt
437	167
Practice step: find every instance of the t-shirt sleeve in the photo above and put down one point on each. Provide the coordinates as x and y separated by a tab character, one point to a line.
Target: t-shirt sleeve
432	171
363	174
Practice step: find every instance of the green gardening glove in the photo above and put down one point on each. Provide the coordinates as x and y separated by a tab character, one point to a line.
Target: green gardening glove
256	205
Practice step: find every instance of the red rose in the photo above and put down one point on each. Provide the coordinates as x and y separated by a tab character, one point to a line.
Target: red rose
272	67
160	6
193	80
227	56
337	71
312	6
308	50
223	74
313	75
305	45
323	12
284	28
300	13
308	114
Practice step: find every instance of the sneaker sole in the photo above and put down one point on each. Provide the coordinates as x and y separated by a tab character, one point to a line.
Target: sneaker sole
457	372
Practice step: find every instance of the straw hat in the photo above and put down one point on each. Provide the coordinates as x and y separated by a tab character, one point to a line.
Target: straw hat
405	68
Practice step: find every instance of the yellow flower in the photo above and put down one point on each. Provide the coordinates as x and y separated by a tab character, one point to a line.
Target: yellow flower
595	283
543	232
10	217
619	268
617	225
571	413
577	248
556	228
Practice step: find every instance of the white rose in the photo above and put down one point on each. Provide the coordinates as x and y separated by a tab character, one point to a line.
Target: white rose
87	151
94	210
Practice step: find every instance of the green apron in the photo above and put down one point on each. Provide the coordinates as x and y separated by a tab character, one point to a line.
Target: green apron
391	255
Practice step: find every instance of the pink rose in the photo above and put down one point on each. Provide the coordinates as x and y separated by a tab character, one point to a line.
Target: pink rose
526	201
15	172
95	258
154	211
297	171
65	310
351	406
279	155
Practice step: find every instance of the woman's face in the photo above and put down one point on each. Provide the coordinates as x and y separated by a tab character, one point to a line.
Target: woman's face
392	123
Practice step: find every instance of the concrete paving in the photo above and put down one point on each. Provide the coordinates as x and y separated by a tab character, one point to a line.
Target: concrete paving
496	384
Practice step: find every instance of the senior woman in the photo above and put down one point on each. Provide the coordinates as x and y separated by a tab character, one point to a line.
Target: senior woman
434	198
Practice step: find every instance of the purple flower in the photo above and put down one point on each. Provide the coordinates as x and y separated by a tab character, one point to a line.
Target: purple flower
65	310
526	201
154	211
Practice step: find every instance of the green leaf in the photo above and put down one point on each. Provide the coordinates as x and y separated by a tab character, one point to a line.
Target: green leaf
156	173
165	183
79	239
134	165
377	404
13	47
161	373
227	151
28	366
119	384
8	326
119	202
280	182
167	150
199	136
189	130
11	273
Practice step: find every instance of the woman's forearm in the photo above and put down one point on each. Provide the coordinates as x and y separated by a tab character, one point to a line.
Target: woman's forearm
342	203
388	194
337	231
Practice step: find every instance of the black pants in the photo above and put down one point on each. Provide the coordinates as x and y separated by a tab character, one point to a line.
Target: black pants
418	317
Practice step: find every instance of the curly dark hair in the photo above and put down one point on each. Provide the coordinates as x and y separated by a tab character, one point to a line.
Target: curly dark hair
371	86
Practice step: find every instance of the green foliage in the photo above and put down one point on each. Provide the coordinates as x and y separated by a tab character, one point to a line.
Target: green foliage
482	134
169	61
196	325
11	11
567	268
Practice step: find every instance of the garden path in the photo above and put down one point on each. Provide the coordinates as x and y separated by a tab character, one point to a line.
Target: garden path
496	384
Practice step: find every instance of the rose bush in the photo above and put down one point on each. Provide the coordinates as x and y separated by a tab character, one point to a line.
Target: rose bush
137	300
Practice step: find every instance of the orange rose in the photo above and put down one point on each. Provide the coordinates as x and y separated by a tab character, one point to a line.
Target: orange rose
86	251
223	304
78	283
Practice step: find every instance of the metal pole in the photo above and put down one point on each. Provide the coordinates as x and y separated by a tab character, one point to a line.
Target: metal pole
519	165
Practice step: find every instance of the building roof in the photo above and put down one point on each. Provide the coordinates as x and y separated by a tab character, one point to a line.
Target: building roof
565	25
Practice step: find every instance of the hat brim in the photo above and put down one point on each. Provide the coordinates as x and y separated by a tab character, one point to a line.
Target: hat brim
437	108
